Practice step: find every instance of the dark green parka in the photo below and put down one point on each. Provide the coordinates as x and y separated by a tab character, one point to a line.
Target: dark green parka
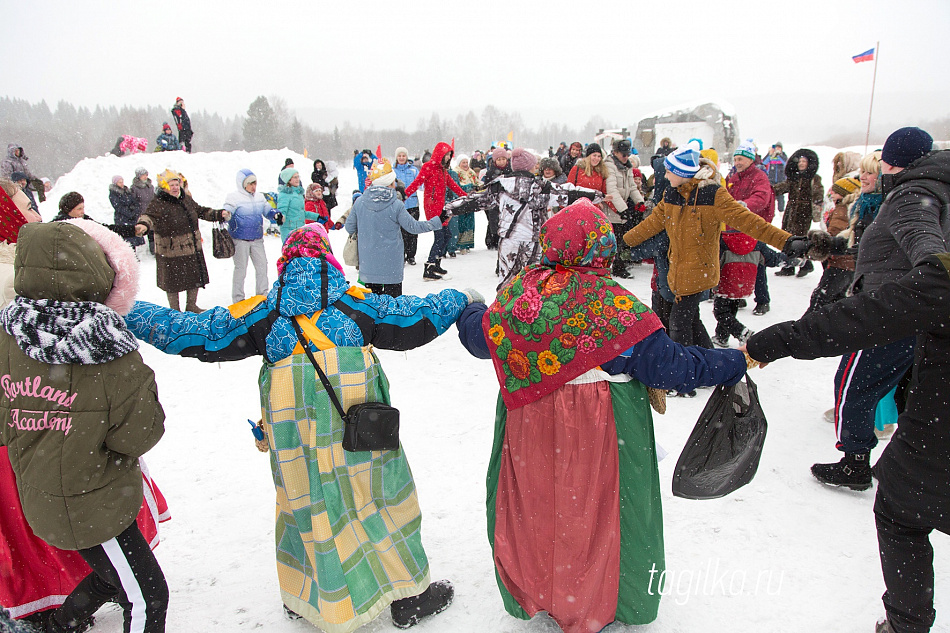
74	432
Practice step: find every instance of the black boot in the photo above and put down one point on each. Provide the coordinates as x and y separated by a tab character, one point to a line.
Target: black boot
290	614
53	625
807	268
429	273
438	268
410	611
785	271
760	309
619	270
853	471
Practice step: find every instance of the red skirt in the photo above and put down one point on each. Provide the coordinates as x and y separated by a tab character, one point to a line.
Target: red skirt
35	576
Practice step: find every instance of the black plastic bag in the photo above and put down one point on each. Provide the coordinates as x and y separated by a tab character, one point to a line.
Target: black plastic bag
723	451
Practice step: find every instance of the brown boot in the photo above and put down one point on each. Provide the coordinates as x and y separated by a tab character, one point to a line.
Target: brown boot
191	298
173	301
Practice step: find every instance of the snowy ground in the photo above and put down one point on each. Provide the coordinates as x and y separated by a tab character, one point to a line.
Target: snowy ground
782	554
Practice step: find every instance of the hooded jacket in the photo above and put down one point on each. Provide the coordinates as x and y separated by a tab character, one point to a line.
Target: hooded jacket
13	163
75	431
247	210
436	180
804	190
376	218
693	215
291	204
913	222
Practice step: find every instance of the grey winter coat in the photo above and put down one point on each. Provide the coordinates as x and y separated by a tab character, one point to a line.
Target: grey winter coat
914	222
13	163
376	218
143	192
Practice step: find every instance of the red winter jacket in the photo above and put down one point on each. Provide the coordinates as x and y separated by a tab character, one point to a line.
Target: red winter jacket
752	186
595	181
434	179
320	208
738	264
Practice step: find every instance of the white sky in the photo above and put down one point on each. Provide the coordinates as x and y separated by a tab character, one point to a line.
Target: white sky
386	63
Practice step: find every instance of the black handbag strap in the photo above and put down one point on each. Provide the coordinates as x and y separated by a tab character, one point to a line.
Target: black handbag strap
323	377
324	296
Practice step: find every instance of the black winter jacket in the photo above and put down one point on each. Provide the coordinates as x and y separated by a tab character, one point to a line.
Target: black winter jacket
915	466
913	222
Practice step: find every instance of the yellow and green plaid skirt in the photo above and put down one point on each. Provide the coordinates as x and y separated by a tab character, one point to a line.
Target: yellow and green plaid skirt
348	524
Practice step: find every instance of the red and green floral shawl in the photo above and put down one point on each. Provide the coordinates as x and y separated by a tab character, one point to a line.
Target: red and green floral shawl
564	316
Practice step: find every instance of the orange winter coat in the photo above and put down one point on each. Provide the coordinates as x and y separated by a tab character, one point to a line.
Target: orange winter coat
693	215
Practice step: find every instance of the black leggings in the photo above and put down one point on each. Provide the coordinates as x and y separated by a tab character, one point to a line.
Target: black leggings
124	569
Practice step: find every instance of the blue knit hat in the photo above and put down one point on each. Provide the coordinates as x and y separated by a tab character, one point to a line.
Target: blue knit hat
906	145
684	162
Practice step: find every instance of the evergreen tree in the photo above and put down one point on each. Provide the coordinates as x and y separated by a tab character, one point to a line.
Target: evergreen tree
260	127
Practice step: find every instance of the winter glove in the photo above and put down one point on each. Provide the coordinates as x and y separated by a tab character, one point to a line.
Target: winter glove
796	246
821	244
473	296
279	219
338	226
445	216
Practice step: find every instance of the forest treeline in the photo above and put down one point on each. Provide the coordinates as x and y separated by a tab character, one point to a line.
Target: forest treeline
55	139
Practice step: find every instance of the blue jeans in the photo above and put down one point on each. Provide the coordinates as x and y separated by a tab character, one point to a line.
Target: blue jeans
761	281
439	245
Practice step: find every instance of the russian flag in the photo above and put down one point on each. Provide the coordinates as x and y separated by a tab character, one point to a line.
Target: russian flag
866	56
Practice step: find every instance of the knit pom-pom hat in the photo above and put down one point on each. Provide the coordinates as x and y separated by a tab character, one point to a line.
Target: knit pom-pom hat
684	162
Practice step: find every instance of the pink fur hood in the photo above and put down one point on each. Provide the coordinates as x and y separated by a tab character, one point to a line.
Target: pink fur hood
122	260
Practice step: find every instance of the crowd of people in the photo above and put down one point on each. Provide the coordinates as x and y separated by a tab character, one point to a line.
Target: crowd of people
567	341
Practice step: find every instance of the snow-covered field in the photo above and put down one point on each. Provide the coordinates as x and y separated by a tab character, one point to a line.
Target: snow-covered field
783	554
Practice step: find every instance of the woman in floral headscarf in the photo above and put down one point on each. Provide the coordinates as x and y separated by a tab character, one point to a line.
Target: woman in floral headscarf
574	514
339	563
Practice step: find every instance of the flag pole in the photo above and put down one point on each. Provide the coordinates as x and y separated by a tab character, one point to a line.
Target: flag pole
877	55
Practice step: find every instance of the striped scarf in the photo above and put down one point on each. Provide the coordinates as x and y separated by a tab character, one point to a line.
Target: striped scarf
67	332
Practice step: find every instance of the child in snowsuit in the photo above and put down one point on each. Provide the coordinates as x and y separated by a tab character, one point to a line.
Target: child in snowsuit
79	407
738	264
313	203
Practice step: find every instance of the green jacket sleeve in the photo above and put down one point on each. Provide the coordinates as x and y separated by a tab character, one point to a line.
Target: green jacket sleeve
136	419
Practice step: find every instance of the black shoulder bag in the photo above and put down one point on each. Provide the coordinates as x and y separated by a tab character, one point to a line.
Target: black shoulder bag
368	426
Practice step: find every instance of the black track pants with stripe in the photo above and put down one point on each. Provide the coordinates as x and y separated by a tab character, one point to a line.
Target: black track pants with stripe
123	568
